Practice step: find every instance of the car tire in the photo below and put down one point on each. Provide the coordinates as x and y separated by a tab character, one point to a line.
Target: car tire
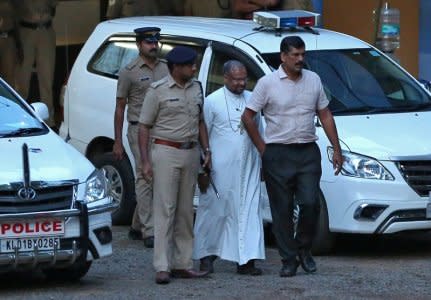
71	273
324	241
122	180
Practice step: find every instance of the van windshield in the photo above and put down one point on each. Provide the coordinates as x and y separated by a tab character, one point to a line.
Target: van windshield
362	81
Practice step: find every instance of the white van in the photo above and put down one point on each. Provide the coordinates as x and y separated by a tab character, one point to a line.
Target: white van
382	113
55	207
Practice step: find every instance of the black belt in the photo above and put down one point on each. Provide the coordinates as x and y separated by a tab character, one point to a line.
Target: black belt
178	145
133	122
5	34
45	25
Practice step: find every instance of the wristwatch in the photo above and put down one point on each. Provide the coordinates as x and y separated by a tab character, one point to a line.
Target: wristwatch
207	151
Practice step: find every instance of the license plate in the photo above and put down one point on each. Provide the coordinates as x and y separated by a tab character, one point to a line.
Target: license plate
23	245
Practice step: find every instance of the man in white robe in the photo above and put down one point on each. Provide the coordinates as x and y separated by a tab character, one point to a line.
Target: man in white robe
230	227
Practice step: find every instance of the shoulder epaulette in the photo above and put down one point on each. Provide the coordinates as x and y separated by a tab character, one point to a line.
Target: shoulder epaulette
159	82
132	64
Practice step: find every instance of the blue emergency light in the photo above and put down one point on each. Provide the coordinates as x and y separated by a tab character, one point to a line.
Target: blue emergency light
286	19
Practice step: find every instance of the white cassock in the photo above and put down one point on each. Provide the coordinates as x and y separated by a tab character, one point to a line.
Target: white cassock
230	227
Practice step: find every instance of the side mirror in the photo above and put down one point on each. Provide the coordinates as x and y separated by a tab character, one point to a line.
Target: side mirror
41	110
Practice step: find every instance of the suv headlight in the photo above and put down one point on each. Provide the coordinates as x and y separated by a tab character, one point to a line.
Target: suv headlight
356	165
97	186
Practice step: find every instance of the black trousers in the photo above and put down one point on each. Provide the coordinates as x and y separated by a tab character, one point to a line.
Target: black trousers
292	174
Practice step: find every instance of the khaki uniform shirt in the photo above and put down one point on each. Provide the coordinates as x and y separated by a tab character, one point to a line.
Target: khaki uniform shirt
130	8
289	107
133	82
298	4
7	16
173	111
208	8
171	7
35	11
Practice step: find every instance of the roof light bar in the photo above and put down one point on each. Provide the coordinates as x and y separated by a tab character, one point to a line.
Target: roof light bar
286	18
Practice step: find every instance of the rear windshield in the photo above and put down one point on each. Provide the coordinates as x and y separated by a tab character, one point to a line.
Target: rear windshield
362	81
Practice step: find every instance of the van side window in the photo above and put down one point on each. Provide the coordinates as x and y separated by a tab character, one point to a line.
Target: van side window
167	46
112	57
215	75
117	52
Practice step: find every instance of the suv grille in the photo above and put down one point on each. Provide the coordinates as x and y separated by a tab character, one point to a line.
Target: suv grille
48	198
417	174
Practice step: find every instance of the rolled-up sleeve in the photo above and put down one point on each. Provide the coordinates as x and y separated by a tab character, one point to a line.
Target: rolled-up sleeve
150	108
123	84
259	97
323	101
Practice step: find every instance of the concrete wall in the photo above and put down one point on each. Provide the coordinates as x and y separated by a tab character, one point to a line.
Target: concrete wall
356	18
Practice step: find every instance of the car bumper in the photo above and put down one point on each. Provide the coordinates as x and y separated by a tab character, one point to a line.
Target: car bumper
87	232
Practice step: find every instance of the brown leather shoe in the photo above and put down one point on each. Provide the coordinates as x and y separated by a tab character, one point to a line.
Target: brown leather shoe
163	277
190	273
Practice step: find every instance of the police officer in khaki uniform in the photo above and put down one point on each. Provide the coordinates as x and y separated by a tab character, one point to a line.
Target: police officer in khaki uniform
297	4
171	7
244	9
173	110
209	8
130	8
38	43
8	42
133	82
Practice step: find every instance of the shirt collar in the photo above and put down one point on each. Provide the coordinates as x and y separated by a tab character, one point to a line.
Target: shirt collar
282	74
172	82
142	63
230	94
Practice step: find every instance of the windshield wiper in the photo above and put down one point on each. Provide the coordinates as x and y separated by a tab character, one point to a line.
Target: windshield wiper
23	132
420	106
361	109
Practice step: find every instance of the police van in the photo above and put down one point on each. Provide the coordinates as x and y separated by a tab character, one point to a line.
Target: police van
382	113
55	207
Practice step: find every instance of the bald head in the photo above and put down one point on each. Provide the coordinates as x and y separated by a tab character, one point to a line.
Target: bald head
235	76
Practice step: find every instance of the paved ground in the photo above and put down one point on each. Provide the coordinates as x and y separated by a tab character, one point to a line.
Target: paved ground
361	268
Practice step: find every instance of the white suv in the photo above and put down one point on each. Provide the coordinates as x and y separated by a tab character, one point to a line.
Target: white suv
55	207
382	114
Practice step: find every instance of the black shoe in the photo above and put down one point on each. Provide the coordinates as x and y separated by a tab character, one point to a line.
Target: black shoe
289	268
149	242
307	261
135	234
207	263
163	277
248	269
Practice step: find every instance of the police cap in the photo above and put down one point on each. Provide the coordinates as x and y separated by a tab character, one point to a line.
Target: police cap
181	55
149	34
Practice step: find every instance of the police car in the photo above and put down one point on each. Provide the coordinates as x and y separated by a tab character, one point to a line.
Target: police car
382	112
55	207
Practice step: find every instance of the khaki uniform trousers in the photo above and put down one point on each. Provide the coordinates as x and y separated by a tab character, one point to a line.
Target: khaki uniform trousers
143	215
174	179
38	45
8	59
